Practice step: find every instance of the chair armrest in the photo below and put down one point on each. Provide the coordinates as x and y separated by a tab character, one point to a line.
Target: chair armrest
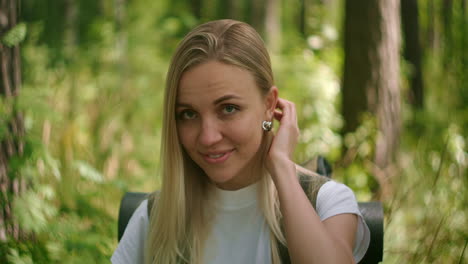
372	213
129	203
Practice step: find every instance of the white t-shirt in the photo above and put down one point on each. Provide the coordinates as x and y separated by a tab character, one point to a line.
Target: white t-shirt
239	232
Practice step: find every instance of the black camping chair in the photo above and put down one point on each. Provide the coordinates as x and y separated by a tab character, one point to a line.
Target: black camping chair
371	211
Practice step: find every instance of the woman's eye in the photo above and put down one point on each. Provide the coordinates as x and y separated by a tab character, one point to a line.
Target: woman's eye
229	109
187	115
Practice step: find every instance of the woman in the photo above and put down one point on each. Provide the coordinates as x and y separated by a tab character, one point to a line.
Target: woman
230	191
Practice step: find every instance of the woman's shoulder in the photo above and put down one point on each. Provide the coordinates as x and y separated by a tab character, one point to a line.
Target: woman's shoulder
327	192
336	198
331	197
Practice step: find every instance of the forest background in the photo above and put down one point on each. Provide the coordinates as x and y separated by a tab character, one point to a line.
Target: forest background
380	88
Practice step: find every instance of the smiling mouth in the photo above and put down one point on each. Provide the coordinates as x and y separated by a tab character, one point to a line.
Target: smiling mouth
218	157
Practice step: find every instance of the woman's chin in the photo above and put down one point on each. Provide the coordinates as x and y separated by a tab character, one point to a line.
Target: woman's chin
221	179
230	183
225	182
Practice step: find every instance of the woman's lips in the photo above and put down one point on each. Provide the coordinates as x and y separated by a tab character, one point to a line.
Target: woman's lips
217	157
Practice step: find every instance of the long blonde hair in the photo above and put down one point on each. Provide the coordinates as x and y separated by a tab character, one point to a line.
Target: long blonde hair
178	220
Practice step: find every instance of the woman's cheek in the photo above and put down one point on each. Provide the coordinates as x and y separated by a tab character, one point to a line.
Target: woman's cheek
244	129
185	134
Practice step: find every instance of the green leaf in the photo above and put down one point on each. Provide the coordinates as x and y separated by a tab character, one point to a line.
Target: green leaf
16	258
53	164
33	211
88	172
15	35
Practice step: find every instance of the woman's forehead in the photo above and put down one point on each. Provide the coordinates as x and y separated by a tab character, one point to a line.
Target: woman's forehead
212	80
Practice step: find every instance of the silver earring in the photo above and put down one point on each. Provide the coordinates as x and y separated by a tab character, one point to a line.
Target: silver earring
267	125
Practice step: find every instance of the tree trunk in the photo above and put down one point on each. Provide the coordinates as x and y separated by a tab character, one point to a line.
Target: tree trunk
447	31
235	9
257	15
231	9
430	27
67	185
302	18
358	95
412	50
196	6
464	37
12	183
70	37
387	83
272	25
222	9
371	75
120	11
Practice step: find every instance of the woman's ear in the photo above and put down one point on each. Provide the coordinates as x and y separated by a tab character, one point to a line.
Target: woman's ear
271	99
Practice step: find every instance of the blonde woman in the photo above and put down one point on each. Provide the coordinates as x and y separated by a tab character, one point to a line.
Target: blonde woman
230	190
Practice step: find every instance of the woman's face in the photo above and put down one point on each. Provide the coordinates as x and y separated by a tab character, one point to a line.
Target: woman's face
219	112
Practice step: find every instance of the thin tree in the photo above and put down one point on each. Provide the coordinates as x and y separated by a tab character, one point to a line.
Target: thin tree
256	16
447	18
412	50
196	7
302	18
273	25
12	184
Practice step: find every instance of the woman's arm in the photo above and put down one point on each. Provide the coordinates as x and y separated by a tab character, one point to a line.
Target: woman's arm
309	239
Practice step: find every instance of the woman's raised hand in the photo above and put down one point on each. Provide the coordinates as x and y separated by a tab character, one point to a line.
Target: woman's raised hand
285	140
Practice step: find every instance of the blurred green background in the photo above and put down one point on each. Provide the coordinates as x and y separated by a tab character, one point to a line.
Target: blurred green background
81	125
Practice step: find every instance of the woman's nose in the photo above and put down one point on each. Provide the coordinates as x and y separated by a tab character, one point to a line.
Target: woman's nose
210	133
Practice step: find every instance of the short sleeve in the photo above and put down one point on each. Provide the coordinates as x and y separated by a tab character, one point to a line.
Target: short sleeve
132	244
336	198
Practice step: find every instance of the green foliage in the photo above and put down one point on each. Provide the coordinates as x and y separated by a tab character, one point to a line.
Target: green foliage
33	209
15	258
87	172
429	209
15	35
360	145
313	87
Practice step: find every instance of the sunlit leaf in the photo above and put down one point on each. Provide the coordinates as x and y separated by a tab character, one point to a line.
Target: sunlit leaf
88	172
33	211
15	258
15	35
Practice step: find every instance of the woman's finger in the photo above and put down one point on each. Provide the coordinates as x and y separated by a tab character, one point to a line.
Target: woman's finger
287	109
277	115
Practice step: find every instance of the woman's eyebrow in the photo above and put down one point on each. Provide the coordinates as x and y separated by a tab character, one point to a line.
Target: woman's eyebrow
215	102
225	97
183	105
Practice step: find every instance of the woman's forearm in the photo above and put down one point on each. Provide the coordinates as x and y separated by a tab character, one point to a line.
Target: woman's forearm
308	239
